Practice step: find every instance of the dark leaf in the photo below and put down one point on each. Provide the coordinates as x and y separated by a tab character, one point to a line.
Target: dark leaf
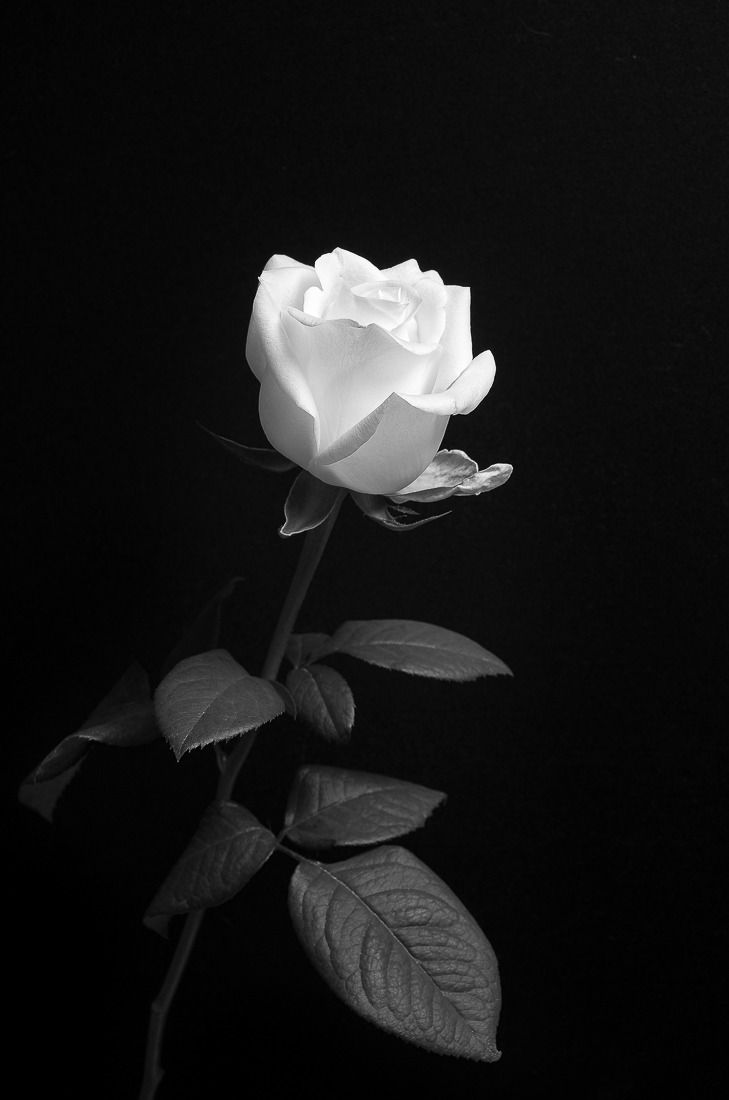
418	648
398	947
123	718
308	504
263	457
337	806
43	797
302	649
323	700
230	845
388	515
209	698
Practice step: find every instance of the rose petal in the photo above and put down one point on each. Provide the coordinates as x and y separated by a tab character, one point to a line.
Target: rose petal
353	268
287	411
456	338
286	282
430	318
350	370
385	450
464	394
407	272
486	480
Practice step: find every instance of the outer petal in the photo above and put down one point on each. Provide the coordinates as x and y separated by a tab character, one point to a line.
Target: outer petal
287	411
282	283
386	450
456	339
351	370
464	394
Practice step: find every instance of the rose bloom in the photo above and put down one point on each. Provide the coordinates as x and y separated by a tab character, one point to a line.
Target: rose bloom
361	369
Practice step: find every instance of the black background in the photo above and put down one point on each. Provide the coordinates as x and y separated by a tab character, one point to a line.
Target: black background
567	161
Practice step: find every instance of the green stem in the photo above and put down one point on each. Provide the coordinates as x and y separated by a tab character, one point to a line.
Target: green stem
311	553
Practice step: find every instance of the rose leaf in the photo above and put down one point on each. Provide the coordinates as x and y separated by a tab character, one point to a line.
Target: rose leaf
323	700
330	806
209	698
399	948
227	850
420	649
123	718
44	795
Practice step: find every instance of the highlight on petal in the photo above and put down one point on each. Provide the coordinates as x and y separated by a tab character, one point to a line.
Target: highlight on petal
288	285
453	473
430	319
282	282
456	338
464	394
350	369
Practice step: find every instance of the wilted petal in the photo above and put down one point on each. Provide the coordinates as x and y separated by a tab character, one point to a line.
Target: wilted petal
485	480
453	473
444	474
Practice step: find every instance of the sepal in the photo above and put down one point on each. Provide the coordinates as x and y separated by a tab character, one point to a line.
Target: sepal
388	515
309	503
265	458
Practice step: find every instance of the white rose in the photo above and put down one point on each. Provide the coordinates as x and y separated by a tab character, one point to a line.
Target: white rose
360	369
